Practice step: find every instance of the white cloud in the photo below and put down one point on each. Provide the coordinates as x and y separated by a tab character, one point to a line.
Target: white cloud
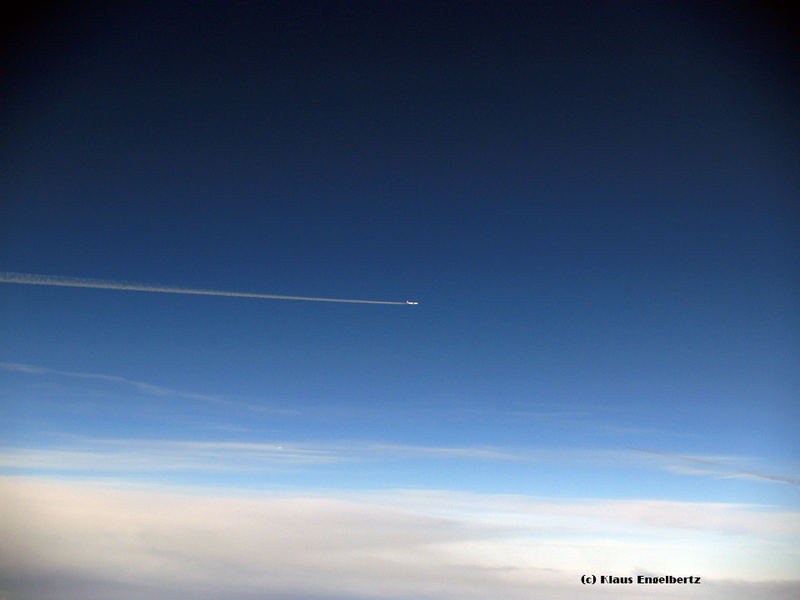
402	544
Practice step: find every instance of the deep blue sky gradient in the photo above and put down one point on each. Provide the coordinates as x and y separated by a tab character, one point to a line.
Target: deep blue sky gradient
594	203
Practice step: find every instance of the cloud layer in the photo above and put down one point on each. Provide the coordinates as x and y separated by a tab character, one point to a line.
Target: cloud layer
162	543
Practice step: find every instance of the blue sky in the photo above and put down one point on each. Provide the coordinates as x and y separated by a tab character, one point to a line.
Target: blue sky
595	206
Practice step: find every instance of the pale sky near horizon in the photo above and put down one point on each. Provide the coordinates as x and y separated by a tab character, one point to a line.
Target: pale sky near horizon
595	205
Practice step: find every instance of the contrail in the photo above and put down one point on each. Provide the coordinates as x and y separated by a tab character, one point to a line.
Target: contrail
31	279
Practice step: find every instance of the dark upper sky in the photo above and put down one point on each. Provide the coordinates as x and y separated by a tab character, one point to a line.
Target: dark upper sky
423	113
411	142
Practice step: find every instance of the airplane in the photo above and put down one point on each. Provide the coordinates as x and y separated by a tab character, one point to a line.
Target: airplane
410	302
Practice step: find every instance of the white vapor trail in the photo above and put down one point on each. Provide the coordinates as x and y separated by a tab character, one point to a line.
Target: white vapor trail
31	279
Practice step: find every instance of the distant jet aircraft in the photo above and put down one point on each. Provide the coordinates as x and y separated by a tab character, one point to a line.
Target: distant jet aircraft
410	302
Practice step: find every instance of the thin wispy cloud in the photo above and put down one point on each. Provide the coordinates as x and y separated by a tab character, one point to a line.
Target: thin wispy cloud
597	419
722	470
125	455
153	457
129	455
445	452
148	389
145	388
552	414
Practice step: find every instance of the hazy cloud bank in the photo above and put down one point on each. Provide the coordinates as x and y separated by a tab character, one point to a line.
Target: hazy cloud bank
403	544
